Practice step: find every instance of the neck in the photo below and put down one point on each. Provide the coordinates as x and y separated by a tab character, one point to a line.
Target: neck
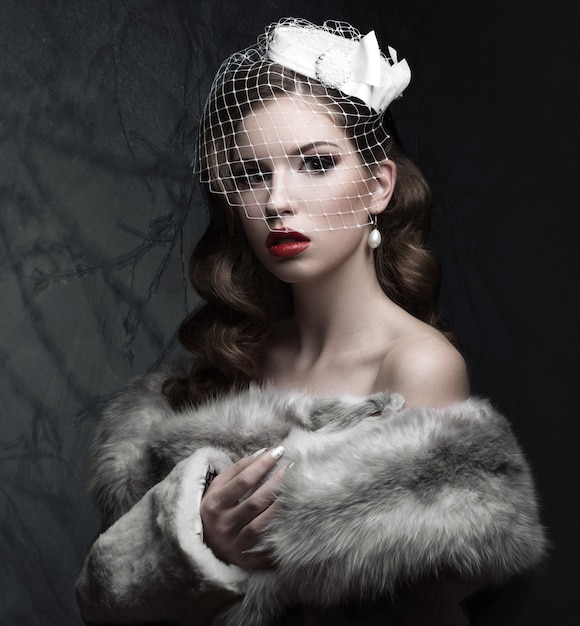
336	312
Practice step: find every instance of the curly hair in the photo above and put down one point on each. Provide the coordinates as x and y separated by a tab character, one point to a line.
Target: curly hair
229	332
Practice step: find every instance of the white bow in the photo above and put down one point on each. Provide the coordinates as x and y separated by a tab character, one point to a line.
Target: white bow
373	79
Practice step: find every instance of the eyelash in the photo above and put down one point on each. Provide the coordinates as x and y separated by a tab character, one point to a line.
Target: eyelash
250	176
323	163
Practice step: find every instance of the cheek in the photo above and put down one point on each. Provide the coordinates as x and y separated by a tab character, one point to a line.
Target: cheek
250	203
336	246
345	205
341	196
256	232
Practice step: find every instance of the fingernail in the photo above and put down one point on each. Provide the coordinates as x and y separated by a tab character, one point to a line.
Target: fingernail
289	466
258	452
276	453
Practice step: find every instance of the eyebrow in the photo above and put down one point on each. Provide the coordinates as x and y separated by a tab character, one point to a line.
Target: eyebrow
312	145
296	152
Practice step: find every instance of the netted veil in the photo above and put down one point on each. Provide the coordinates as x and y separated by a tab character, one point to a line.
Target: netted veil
298	119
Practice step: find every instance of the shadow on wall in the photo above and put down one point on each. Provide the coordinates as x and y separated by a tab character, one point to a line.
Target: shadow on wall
96	225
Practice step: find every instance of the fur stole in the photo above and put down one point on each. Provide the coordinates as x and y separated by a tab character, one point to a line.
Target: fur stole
379	494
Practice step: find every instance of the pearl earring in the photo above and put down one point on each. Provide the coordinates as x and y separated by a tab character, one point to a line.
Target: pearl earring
375	237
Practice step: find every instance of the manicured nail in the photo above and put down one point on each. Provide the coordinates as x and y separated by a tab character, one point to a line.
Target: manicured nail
277	453
289	466
258	452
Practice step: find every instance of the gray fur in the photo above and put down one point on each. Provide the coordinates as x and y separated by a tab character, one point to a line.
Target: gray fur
387	493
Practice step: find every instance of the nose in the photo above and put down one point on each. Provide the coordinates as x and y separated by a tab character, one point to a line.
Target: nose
278	202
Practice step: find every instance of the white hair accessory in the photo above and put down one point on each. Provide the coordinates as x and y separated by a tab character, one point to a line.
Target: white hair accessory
354	66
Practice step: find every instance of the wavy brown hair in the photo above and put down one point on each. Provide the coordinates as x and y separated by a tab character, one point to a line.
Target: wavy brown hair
227	334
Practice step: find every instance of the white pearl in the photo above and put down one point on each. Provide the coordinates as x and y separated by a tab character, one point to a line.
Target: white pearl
375	238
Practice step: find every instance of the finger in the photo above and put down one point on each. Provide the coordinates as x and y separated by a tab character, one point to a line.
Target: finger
234	487
234	469
265	494
258	501
246	518
230	472
254	514
261	522
254	557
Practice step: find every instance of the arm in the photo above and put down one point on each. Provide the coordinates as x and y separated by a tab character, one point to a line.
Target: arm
152	563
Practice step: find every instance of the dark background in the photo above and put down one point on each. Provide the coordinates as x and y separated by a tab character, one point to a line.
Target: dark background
99	212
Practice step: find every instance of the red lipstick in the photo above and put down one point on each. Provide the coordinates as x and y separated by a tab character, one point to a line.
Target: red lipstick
286	243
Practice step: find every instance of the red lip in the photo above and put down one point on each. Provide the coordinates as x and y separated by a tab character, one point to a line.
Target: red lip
286	242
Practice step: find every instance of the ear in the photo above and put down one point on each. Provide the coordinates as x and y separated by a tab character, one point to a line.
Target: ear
385	177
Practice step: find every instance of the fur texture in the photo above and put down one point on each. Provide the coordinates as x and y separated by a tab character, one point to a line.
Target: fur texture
379	494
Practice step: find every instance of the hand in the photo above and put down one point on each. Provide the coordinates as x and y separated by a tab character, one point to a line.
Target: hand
232	525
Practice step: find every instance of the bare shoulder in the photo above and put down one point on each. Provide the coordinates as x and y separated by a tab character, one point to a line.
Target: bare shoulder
426	369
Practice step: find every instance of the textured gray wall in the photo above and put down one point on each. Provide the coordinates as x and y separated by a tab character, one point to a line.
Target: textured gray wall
95	228
98	214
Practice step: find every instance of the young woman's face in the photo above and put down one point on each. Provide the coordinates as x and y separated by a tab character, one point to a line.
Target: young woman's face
303	191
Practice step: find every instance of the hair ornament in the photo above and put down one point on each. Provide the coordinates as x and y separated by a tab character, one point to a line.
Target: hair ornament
340	58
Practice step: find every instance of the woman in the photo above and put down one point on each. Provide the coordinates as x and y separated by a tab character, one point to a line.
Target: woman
314	277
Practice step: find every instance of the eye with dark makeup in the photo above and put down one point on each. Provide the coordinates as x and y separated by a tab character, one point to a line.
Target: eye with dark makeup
248	174
318	163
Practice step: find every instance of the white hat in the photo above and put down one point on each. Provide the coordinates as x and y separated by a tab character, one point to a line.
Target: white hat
353	65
